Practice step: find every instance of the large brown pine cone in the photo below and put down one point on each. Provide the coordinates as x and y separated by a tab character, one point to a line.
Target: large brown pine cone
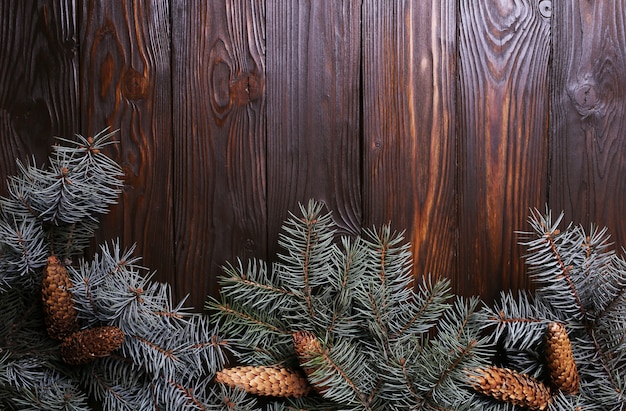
511	386
272	381
560	359
60	314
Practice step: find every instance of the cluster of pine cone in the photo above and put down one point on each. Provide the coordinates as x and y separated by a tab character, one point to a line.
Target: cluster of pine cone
77	346
520	389
502	384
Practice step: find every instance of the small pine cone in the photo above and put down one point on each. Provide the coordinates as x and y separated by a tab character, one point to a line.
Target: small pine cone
272	381
85	346
512	387
307	346
60	314
560	358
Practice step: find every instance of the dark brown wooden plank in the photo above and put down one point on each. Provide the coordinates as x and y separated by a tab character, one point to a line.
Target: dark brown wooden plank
125	85
313	149
588	146
409	126
219	138
38	84
504	49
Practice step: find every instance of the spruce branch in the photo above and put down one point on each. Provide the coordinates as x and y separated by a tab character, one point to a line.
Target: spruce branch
357	316
554	258
577	310
255	278
429	303
55	208
309	247
119	339
343	373
23	249
518	321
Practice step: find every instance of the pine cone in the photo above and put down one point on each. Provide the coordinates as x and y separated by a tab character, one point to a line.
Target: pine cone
511	386
84	346
307	346
60	314
272	381
560	358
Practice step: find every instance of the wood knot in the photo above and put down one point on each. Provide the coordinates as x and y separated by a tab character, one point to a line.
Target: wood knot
134	85
245	89
585	98
249	245
377	145
545	8
239	91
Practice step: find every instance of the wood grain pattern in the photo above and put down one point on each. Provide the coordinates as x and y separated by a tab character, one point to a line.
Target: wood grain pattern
125	85
219	138
409	126
451	119
504	50
313	64
38	84
588	146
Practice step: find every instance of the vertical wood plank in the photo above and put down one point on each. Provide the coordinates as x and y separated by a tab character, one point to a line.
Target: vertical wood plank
313	118
588	170
504	50
409	126
38	79
219	138
125	84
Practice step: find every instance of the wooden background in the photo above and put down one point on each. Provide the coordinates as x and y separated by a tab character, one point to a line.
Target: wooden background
449	118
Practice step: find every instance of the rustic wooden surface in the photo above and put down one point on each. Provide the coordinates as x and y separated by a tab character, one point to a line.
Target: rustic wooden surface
504	50
125	79
313	138
448	119
588	126
38	84
409	121
219	139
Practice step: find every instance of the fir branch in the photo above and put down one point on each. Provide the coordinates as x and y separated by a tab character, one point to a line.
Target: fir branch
423	310
248	319
52	393
581	284
188	393
343	373
450	375
458	347
349	266
416	397
23	248
68	240
599	278
53	210
201	347
256	278
232	399
385	290
28	383
167	353
118	385
519	322
553	254
308	242
565	274
608	289
355	311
